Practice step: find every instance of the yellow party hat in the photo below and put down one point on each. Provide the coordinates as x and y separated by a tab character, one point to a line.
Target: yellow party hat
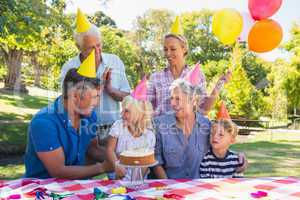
82	23
176	28
88	66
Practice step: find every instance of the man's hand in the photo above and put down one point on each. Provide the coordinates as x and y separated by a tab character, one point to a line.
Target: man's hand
95	152
116	94
54	162
120	171
106	77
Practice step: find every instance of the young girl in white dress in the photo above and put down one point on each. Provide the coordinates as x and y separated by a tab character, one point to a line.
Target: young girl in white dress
133	131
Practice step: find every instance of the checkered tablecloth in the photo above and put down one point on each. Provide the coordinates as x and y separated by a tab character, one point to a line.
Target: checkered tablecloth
281	188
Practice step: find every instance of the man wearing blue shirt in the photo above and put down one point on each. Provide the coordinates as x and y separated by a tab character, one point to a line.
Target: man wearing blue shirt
62	134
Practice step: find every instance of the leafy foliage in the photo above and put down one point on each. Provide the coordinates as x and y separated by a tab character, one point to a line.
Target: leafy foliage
292	81
116	42
202	44
149	31
244	99
100	19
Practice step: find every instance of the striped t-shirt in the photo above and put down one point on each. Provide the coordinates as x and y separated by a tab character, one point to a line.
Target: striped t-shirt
213	167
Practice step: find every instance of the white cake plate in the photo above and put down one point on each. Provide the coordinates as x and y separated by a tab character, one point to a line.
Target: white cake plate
137	180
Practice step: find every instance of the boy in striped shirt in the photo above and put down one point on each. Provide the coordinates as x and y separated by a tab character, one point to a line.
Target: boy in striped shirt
220	162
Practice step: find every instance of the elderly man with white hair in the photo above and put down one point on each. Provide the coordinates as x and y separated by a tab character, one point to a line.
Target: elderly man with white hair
109	68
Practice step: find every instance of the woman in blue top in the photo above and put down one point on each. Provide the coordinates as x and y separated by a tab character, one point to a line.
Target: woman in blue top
182	137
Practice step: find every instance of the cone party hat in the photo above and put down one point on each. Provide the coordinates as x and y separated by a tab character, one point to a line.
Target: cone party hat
88	66
140	91
176	28
223	112
82	23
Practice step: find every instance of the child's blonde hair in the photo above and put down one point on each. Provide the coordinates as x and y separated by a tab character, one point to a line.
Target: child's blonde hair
229	126
141	111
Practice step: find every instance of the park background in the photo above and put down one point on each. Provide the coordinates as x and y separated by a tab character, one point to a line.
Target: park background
263	95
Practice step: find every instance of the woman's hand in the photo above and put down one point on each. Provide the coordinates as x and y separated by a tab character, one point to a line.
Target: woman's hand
242	160
222	80
160	172
227	76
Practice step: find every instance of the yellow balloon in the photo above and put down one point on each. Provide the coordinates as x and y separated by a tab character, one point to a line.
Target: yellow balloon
227	25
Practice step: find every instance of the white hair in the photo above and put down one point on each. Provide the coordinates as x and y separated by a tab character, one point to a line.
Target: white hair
93	31
183	85
195	93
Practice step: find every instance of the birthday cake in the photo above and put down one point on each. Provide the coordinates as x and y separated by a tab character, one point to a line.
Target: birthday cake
137	157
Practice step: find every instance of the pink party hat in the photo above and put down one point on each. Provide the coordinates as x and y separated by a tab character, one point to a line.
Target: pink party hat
140	91
194	76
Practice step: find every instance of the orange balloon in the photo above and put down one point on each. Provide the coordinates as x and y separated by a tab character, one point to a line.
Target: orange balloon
264	36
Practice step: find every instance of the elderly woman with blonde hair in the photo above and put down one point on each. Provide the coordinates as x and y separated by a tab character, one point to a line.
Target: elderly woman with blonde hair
182	136
133	131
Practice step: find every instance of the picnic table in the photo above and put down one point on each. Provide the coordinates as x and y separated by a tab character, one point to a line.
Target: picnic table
208	189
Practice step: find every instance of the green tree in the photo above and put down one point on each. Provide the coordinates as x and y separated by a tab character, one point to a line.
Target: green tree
277	96
204	47
244	99
54	34
23	32
116	41
52	60
100	19
292	82
149	31
256	69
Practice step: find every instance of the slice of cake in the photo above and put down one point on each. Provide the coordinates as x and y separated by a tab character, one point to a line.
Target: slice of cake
137	157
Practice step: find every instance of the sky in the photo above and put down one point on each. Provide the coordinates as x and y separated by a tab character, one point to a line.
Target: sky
124	12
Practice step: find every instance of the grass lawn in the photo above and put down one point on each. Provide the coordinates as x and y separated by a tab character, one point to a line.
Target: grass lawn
271	154
15	113
11	167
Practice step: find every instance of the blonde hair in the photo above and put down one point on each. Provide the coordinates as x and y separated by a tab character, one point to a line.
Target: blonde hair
229	126
183	41
141	110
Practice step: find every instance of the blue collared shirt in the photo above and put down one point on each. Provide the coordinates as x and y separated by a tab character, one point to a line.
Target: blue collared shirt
50	129
108	110
180	156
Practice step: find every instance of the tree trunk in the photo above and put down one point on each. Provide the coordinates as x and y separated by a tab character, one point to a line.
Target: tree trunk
13	80
37	70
